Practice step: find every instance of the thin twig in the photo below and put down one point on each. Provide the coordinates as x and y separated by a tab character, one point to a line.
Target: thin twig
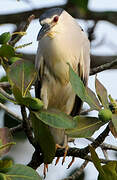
104	145
5	85
6	95
26	126
10	112
105	153
18	37
103	67
78	172
16	128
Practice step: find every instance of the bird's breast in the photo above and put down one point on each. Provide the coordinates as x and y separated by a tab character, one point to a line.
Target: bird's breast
57	55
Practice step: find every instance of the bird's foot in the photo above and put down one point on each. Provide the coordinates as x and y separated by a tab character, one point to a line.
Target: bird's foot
45	170
73	158
65	153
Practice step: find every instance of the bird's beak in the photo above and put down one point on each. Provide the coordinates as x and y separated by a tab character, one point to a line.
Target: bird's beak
45	28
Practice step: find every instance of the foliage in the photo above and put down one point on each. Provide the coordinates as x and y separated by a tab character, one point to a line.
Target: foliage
21	75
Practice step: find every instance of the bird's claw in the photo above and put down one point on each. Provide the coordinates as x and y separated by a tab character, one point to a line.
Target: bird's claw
45	170
73	158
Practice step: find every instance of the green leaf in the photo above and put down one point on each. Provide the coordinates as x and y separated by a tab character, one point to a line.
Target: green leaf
14	59
7	51
34	104
92	100
85	127
5	165
101	93
79	88
2	176
55	118
110	170
21	172
5	37
96	161
22	74
44	138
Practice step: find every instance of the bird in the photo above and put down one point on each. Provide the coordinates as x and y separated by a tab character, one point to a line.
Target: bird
61	41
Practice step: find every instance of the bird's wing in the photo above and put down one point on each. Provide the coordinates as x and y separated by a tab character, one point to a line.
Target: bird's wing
83	72
39	65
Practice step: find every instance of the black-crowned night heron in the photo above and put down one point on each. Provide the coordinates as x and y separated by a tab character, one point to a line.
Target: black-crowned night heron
61	41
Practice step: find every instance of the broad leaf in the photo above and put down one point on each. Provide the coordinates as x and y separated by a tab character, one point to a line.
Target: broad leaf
102	93
92	100
110	170
5	37
85	127
79	89
22	74
96	161
55	118
7	51
44	138
21	172
5	140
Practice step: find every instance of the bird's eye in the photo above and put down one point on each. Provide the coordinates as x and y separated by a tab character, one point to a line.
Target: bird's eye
55	18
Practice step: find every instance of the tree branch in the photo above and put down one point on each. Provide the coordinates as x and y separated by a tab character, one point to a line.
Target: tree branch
78	172
10	112
110	16
26	126
37	158
103	67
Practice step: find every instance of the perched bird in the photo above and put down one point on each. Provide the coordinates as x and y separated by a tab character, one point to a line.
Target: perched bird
61	41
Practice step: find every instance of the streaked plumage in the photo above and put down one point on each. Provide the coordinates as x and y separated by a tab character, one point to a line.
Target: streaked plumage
64	42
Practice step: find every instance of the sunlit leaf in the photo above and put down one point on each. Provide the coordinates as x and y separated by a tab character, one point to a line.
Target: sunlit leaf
22	74
85	127
55	118
102	93
7	51
5	37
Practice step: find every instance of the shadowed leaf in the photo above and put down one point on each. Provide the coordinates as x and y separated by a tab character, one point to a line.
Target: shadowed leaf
5	140
96	161
113	125
102	93
22	172
85	127
79	89
44	138
5	165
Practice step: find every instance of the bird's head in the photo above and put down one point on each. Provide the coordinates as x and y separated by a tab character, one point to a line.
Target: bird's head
48	20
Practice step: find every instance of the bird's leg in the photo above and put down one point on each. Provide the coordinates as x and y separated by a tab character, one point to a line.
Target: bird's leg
73	158
65	153
45	170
